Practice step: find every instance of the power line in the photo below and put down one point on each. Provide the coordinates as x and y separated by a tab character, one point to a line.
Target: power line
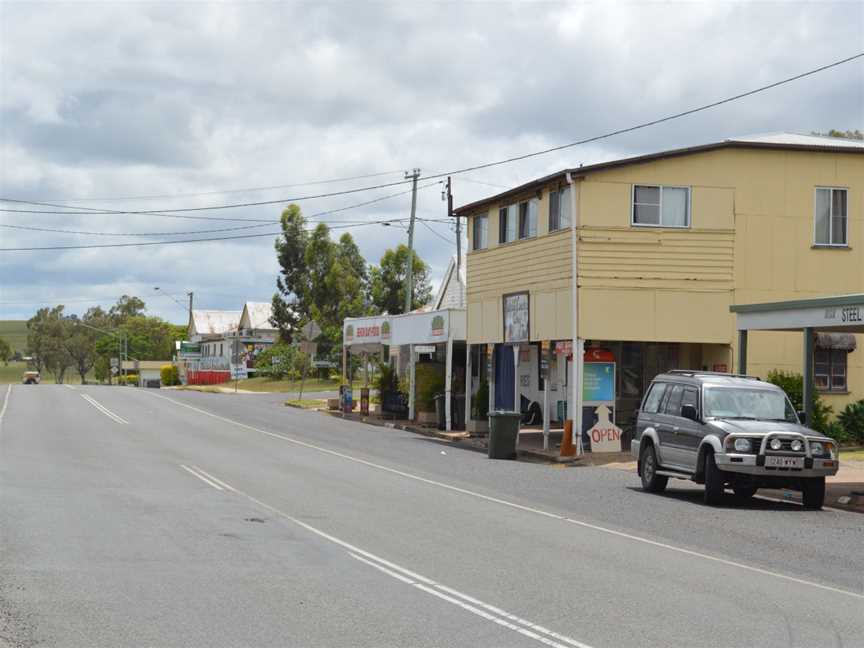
230	191
264	223
485	165
441	236
199	240
260	203
653	122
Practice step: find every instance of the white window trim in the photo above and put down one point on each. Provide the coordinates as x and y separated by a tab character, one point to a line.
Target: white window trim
474	246
830	218
689	189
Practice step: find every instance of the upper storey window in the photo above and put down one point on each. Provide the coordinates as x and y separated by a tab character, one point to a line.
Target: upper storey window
661	206
830	217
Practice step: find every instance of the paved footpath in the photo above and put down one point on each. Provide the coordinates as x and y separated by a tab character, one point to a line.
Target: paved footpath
141	518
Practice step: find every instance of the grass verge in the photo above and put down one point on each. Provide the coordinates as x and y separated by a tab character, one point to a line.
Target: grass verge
308	403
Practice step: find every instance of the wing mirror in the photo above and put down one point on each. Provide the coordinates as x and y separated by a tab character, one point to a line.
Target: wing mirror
802	416
689	412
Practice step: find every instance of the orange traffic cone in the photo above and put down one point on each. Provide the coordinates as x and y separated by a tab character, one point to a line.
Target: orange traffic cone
567	447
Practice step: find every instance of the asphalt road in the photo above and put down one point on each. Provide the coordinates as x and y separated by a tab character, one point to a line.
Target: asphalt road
135	517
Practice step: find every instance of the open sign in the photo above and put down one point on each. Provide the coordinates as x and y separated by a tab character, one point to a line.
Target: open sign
604	434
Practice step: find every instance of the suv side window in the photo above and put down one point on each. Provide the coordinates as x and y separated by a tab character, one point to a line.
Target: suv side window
652	400
691	397
673	403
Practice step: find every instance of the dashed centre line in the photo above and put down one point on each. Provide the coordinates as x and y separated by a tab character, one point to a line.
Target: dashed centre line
104	410
423	583
548	514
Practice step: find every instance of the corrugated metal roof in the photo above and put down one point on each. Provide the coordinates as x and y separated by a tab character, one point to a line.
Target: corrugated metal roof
214	322
788	141
256	315
796	139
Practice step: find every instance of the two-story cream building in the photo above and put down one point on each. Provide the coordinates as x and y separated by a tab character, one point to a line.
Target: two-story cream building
661	246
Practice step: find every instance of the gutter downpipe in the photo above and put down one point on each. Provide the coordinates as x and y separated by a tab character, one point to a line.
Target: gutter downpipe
576	344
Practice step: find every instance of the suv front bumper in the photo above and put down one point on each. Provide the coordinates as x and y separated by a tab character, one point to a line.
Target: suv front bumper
750	464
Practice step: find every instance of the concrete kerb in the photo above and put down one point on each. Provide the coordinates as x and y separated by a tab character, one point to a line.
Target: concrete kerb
460	439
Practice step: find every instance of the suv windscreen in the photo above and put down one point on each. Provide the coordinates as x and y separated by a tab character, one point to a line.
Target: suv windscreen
739	402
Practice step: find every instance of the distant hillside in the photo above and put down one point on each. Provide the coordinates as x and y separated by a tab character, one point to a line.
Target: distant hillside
15	333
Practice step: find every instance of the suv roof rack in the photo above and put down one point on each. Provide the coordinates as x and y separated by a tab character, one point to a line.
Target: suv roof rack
694	372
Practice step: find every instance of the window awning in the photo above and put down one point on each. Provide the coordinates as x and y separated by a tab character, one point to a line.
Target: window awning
837	341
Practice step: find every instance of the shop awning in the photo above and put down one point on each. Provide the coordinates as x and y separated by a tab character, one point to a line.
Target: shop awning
838	341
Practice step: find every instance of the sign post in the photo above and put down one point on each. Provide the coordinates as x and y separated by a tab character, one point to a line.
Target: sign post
309	331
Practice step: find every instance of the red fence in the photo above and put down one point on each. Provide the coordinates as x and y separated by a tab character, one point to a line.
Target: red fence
207	377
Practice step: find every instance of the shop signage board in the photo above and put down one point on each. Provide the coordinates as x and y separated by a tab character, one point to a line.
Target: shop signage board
604	435
414	328
424	348
239	372
516	317
598	383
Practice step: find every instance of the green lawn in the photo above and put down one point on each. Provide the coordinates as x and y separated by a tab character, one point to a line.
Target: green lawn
14	372
266	385
307	403
854	455
15	333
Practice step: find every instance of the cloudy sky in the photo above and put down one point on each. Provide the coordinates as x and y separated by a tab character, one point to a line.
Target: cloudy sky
156	106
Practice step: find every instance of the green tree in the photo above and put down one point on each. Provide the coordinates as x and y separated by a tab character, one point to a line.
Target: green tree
293	283
5	351
848	134
126	307
47	332
80	342
387	282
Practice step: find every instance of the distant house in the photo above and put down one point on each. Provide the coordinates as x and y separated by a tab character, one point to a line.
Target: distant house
255	321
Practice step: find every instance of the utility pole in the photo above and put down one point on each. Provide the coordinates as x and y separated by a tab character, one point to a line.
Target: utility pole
458	231
409	277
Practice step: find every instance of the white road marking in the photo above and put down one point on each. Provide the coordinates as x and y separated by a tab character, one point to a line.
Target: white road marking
68	386
414	579
104	409
529	509
201	477
214	479
5	403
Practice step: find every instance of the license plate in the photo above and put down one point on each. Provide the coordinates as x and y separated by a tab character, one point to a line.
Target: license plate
784	462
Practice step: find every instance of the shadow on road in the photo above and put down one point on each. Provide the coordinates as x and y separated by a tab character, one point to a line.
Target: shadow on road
729	502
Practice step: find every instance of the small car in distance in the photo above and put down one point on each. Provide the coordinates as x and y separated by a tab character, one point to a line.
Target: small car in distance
31	378
728	431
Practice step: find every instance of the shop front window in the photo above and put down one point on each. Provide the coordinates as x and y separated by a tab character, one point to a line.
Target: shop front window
830	370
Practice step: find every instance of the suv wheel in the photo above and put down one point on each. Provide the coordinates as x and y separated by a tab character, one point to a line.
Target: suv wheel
813	492
651	481
714	481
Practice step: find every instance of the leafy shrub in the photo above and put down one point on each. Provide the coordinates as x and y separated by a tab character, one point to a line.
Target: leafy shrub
281	362
128	379
429	381
838	433
852	420
170	375
793	385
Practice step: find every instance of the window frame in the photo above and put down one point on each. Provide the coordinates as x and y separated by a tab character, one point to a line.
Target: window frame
523	212
563	198
475	219
831	364
651	389
633	222
816	191
503	223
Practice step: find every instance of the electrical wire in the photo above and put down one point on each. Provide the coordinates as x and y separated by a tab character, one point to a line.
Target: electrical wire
230	191
653	122
439	235
199	240
485	165
227	229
